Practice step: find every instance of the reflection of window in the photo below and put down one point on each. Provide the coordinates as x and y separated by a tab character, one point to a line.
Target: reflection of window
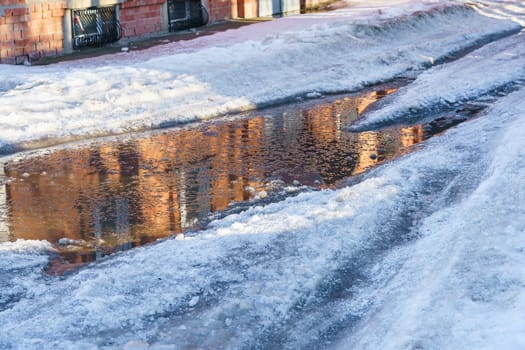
122	216
95	26
194	193
111	216
4	227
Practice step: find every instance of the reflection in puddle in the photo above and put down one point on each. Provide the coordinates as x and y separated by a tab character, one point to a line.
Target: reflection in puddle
4	227
114	195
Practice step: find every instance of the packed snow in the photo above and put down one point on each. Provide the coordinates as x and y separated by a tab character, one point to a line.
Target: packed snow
425	252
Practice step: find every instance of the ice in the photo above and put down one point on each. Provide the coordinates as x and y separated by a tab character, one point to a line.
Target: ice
68	241
21	265
193	301
26	246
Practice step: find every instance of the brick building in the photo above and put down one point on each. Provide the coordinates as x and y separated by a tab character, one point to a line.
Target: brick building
33	29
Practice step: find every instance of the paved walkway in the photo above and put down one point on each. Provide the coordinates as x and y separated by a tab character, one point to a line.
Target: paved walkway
148	41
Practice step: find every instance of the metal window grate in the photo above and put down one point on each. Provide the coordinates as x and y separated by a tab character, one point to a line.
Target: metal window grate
95	26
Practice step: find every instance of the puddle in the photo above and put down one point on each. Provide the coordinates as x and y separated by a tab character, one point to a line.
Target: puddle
112	195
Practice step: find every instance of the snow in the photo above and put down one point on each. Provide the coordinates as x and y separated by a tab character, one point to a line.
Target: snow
427	251
225	73
513	10
461	284
446	86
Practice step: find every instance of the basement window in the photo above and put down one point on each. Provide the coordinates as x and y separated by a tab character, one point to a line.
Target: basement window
95	26
184	14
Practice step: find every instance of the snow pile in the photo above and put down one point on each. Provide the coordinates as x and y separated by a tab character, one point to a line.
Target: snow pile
339	52
24	246
250	268
497	66
21	265
514	10
462	285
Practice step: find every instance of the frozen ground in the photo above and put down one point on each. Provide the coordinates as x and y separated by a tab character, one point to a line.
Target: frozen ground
427	252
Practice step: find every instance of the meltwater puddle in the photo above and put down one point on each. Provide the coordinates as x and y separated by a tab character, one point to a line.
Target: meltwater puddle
112	195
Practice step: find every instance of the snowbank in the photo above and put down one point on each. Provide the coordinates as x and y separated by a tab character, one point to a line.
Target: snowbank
496	66
513	10
233	71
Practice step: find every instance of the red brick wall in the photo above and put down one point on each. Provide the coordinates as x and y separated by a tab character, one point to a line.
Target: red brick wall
139	17
30	31
220	9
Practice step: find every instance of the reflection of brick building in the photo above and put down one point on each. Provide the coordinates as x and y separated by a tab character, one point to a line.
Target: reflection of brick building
41	204
186	187
411	135
130	193
153	187
32	29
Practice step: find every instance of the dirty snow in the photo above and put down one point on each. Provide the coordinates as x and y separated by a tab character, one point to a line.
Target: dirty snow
426	252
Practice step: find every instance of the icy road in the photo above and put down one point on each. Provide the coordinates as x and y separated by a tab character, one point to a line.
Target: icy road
424	252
